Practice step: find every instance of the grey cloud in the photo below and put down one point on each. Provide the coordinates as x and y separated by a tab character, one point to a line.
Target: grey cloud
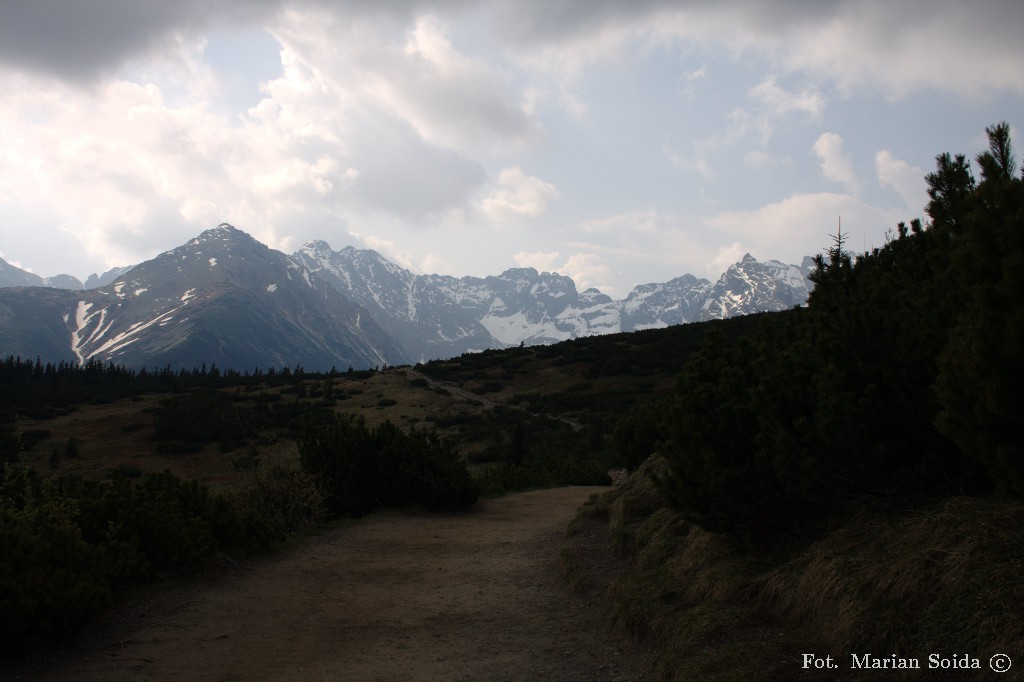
545	21
79	41
401	174
164	229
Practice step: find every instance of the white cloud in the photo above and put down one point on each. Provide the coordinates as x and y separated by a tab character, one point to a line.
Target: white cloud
390	250
778	102
433	264
543	261
519	195
907	180
742	126
587	270
836	165
724	257
894	47
688	82
390	118
452	101
800	225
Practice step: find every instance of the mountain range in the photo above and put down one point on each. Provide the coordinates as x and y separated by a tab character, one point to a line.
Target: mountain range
12	276
226	299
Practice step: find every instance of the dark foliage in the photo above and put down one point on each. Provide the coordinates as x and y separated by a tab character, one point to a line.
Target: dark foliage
365	469
68	544
898	381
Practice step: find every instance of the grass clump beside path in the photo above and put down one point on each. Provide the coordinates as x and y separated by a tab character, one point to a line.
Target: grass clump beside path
946	580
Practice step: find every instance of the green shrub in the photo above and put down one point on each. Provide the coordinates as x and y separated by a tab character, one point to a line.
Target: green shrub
366	469
67	543
285	499
51	579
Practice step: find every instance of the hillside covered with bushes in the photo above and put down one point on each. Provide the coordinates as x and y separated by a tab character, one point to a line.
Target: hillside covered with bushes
847	478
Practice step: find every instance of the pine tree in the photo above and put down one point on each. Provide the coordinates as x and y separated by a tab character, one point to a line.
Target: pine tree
980	369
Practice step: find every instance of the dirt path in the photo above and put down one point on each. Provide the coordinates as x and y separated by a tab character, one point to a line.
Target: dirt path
478	596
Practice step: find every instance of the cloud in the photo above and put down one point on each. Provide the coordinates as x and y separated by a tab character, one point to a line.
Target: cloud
800	225
390	250
81	41
587	270
836	165
543	261
907	180
590	270
130	170
891	48
778	102
416	76
725	257
741	126
518	195
395	118
754	126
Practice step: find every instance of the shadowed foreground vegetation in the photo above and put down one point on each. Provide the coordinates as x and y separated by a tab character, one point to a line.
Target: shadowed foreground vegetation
848	479
941	579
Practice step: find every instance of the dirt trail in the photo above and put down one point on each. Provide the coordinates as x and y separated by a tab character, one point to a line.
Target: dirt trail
477	596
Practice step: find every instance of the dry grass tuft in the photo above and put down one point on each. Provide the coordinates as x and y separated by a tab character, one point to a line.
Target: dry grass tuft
948	578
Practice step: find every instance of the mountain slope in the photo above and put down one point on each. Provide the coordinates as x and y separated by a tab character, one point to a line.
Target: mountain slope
223	298
439	316
227	299
751	286
412	309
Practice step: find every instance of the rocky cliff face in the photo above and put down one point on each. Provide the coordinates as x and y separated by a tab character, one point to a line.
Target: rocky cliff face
439	316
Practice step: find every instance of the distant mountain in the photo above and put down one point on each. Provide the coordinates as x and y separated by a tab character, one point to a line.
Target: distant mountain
439	316
12	276
98	280
424	316
223	298
750	286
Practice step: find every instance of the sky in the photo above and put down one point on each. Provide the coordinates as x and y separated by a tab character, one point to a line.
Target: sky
616	143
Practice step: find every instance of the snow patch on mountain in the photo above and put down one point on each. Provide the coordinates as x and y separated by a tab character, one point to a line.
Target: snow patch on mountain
511	330
437	316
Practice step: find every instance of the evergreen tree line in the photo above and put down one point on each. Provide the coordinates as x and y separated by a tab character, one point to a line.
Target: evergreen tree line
34	390
900	379
37	390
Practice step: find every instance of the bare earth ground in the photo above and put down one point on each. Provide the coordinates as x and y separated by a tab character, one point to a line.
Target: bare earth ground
475	596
